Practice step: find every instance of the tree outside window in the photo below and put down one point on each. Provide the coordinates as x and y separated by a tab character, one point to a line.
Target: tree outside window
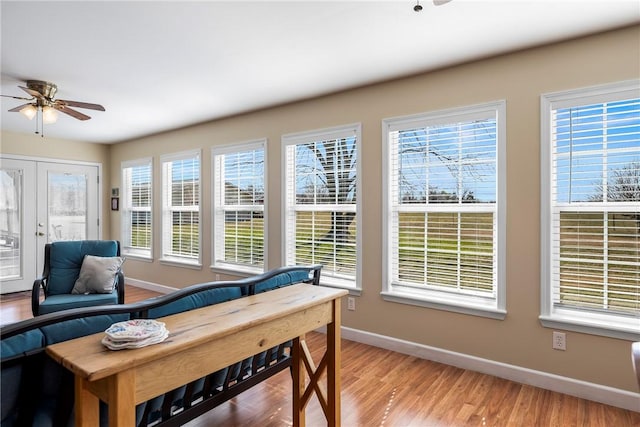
444	203
591	239
322	192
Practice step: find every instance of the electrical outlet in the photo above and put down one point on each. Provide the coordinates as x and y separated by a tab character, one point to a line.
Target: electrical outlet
351	304
559	341
217	277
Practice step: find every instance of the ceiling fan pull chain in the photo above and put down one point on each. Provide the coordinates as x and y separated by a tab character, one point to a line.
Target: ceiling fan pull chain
39	122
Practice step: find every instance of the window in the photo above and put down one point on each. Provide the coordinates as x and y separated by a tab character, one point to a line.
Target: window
181	208
321	219
444	219
136	208
591	210
238	206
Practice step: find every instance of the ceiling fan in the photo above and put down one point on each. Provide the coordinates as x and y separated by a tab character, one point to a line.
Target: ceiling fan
42	99
418	8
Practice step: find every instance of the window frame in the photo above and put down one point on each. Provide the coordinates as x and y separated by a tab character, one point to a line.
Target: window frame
494	308
166	256
288	213
125	208
574	319
216	194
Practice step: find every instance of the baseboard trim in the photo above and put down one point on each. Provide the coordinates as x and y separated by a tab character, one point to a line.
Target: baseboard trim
599	393
150	286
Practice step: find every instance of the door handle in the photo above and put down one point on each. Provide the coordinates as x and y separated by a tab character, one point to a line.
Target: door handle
40	233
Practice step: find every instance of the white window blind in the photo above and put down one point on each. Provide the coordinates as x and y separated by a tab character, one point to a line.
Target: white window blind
136	207
181	207
321	221
594	206
238	199
443	198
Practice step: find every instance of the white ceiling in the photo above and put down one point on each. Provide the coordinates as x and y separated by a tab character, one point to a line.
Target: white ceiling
159	65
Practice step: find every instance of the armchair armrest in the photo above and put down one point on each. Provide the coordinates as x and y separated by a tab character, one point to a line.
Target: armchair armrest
120	287
40	282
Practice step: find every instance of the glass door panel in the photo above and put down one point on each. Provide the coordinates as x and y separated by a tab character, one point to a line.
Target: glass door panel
10	226
17	228
71	208
67	207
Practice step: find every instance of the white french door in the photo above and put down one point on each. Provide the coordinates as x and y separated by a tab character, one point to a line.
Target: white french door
42	202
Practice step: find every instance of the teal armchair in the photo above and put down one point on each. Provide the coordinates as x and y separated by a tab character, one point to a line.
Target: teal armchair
79	273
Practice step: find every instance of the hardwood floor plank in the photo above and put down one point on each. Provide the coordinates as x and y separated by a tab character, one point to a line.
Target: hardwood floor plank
387	389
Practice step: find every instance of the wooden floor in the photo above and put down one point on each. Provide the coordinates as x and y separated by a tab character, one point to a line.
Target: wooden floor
387	389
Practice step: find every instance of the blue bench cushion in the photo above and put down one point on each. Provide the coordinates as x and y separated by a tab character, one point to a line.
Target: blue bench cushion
21	344
66	301
66	260
76	328
284	279
197	300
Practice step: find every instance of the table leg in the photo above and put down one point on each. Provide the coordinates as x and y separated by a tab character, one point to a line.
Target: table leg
331	361
333	367
87	405
122	407
298	374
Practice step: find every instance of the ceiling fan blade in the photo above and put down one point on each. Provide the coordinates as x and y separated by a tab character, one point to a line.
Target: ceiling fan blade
81	104
73	113
19	107
440	2
17	97
32	92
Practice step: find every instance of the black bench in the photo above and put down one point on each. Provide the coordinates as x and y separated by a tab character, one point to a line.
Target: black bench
36	391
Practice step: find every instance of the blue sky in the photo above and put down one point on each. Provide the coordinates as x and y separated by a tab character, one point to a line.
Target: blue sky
456	158
593	139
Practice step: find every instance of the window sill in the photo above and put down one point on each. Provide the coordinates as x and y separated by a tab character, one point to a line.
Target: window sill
352	290
137	257
587	324
447	304
339	283
195	265
237	272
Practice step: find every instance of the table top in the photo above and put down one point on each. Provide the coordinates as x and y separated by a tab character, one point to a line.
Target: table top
88	358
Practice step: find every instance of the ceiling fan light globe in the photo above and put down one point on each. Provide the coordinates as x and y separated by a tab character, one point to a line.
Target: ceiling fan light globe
49	115
29	111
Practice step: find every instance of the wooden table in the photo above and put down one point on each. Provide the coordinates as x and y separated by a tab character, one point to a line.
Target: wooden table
203	341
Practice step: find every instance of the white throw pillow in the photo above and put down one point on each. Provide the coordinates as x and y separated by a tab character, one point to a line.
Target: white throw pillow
97	275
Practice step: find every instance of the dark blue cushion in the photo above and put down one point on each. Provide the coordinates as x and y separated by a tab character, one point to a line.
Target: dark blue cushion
23	343
65	260
152	407
198	300
75	328
66	301
56	393
10	381
217	380
283	279
198	387
14	372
